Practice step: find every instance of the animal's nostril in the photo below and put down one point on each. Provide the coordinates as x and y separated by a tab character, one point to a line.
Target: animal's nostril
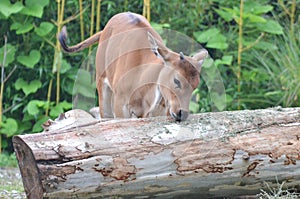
181	115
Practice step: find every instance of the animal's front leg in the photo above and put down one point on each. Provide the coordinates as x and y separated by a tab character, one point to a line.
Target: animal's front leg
121	107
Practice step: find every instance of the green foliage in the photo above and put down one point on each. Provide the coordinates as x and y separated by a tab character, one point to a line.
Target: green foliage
6	8
282	67
212	37
7	160
10	54
30	60
21	28
44	29
26	87
34	8
9	127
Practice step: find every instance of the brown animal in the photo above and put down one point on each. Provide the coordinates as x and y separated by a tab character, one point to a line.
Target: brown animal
136	74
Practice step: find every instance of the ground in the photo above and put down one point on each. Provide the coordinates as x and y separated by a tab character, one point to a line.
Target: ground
11	183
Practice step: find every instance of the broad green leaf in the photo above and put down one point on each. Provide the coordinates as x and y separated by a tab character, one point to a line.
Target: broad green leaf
83	84
227	16
24	126
65	66
265	46
59	108
56	110
194	107
9	127
255	18
85	91
235	12
35	7
270	26
10	54
217	42
208	63
19	83
67	86
37	127
84	78
33	106
26	87
44	29
65	105
159	27
226	60
6	8
205	36
229	99
213	38
256	8
31	60
218	100
21	28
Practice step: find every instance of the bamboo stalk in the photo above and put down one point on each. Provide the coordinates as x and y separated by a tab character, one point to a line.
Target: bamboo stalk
98	16
48	97
92	23
292	17
91	31
125	5
60	18
289	13
81	20
2	88
240	50
146	9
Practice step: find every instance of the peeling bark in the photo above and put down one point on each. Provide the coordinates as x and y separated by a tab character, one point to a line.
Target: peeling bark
209	155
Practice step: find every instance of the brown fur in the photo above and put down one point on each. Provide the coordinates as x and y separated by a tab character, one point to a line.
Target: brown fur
136	75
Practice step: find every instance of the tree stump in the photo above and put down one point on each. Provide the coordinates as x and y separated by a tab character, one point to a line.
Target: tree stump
210	155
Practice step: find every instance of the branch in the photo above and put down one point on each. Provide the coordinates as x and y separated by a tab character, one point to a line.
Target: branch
4	60
49	42
12	106
71	18
254	43
10	73
284	8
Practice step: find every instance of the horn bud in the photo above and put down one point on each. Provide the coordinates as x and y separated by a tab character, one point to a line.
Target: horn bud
181	56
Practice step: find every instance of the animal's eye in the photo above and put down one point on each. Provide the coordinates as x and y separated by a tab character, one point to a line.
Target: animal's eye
177	82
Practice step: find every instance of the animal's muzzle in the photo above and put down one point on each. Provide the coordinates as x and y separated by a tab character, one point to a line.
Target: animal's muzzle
181	115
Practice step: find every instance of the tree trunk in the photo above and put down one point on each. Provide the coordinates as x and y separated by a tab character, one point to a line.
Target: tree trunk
209	155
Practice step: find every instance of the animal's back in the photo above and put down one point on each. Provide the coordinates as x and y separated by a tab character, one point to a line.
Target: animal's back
123	46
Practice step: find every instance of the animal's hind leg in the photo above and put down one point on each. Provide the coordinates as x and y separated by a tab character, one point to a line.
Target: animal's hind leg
105	96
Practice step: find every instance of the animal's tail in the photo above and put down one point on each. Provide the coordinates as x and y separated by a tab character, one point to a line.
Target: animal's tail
62	37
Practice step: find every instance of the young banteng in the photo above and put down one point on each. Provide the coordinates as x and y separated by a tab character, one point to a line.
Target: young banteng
136	74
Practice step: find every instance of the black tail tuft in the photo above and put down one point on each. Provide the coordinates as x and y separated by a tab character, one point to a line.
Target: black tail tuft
62	37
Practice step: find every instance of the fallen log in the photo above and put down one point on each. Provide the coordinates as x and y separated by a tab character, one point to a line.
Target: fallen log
209	155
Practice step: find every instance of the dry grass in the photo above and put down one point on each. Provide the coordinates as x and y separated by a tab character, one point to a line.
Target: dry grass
279	192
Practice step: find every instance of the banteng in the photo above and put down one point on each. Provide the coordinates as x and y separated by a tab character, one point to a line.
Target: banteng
136	74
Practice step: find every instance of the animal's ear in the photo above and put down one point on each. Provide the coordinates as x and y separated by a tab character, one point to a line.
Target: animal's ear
200	56
157	47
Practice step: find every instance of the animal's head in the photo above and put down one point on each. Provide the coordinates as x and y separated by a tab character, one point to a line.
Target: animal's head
179	76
